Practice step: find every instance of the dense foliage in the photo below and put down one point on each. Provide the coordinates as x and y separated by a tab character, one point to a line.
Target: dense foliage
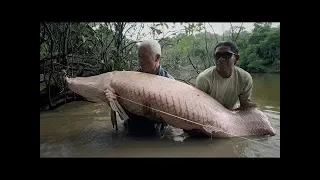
85	49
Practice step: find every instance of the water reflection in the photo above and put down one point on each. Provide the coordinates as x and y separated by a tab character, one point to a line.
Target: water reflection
84	129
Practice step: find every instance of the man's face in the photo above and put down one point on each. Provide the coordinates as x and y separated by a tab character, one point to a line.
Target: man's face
148	60
225	59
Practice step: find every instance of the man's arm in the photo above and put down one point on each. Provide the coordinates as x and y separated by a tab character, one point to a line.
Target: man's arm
202	83
245	96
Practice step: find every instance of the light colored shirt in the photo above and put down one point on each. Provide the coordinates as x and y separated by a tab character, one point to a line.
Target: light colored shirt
228	91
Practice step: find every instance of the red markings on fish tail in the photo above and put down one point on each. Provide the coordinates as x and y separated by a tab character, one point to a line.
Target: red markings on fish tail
174	107
160	100
201	117
155	100
197	117
135	92
167	104
144	94
180	108
149	97
206	118
187	111
130	93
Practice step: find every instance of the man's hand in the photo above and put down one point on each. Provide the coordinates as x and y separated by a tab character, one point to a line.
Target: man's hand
110	95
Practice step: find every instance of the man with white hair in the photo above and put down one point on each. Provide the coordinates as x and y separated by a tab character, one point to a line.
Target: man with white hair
149	52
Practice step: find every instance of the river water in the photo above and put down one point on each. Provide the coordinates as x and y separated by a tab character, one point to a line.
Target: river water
84	129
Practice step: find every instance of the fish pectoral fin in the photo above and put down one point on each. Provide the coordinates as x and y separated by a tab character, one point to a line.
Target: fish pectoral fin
114	104
114	119
210	129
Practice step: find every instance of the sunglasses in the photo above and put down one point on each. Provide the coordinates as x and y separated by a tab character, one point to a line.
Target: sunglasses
225	55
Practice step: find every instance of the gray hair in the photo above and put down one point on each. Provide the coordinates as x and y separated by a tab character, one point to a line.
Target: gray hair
153	44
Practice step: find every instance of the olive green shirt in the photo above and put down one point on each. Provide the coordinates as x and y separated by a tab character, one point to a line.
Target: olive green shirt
228	91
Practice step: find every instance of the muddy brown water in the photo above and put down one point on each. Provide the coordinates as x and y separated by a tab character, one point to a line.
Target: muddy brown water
84	129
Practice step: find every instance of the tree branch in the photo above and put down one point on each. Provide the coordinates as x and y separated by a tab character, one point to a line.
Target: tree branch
138	35
193	65
232	32
129	44
213	33
238	33
134	24
50	33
